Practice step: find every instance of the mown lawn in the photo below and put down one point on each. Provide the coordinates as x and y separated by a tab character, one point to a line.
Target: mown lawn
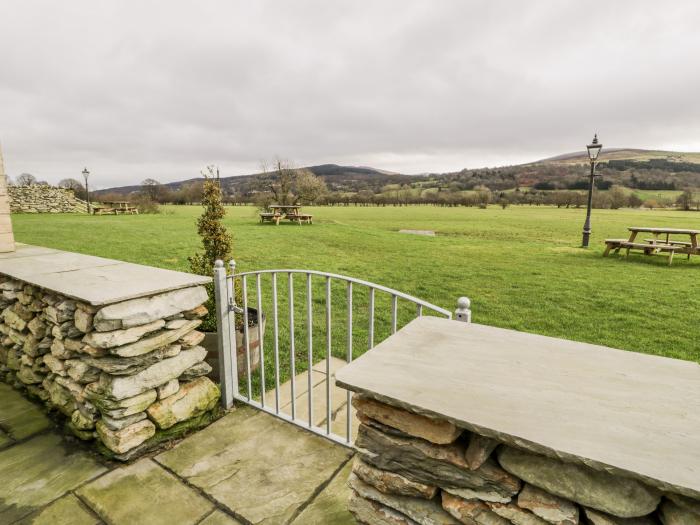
521	267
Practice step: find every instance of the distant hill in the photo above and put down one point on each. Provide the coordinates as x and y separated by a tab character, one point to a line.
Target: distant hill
639	155
629	167
336	176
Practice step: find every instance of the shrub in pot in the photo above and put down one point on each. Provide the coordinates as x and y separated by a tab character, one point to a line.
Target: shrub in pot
217	243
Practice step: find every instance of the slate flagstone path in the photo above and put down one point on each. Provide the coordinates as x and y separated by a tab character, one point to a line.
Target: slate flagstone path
248	467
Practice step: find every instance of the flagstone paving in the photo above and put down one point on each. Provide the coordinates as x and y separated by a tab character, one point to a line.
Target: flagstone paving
19	418
259	467
248	467
143	492
56	513
38	471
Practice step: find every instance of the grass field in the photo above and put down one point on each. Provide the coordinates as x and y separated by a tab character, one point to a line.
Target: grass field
521	266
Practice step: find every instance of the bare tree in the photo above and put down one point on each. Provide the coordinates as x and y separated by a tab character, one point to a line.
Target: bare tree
75	185
26	179
685	200
279	182
151	188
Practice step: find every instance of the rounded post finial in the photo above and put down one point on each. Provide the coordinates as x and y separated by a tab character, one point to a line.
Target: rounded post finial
463	312
218	263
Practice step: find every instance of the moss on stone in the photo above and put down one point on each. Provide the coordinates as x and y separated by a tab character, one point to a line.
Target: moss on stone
161	437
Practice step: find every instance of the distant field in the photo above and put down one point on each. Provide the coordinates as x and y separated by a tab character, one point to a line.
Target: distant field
660	195
521	266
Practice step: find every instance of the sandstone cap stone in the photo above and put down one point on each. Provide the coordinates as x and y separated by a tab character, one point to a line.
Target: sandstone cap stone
94	280
495	379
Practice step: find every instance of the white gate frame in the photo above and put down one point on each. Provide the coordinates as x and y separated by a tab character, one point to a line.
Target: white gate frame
226	310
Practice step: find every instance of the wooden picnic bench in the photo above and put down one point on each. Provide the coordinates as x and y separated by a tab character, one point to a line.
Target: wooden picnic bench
289	212
656	245
271	217
115	208
650	249
300	217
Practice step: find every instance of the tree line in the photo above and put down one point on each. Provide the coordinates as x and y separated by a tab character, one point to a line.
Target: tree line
281	183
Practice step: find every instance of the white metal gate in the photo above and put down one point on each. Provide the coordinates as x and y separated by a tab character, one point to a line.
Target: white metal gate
339	340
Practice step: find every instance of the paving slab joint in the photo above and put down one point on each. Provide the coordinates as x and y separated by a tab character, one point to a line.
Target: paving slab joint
217	504
86	506
319	489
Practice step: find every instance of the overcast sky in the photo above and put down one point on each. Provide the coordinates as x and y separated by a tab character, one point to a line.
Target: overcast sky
160	88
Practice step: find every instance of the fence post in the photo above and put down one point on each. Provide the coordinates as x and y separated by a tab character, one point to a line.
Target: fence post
223	330
463	313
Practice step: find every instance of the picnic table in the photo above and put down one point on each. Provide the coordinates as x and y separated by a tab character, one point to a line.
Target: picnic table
290	212
114	208
656	244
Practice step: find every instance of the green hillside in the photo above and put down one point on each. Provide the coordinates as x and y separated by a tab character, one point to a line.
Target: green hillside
640	155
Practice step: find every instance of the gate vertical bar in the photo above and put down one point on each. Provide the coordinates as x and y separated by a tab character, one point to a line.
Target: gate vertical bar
233	348
292	367
348	422
260	338
224	341
246	338
309	329
371	319
276	330
328	355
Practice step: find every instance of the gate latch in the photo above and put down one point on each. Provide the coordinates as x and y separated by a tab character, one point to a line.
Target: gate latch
233	307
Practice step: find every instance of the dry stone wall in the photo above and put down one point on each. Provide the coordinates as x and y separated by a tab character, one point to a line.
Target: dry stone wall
42	198
412	469
127	375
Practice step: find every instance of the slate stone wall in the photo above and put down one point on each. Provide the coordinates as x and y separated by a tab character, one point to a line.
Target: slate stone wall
42	198
127	375
414	469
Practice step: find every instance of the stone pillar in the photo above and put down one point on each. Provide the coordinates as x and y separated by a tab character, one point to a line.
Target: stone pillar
7	239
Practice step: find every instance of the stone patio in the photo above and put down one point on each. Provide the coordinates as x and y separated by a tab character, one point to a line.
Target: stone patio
248	467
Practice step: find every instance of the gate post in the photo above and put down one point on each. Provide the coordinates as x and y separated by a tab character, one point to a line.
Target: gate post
224	333
463	313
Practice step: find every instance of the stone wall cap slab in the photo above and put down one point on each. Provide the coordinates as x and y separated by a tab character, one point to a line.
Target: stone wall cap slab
95	280
626	413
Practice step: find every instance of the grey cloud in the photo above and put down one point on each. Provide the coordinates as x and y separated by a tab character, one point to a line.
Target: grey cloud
159	89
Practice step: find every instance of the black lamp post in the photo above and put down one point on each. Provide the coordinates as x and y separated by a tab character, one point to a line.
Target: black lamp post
593	152
86	174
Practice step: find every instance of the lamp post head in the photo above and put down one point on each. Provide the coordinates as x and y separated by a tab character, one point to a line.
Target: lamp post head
594	148
86	173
